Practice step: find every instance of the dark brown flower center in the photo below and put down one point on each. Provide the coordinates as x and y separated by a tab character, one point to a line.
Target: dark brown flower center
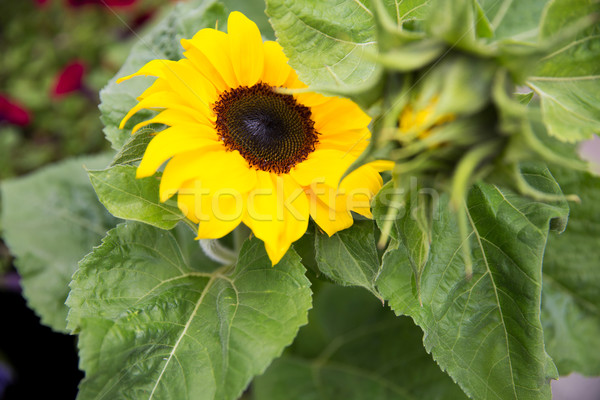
270	130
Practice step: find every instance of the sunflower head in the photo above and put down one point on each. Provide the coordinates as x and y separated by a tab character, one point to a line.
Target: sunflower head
238	150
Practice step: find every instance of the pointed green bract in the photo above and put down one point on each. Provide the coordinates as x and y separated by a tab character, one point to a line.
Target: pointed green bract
50	220
134	199
484	332
354	348
571	290
153	326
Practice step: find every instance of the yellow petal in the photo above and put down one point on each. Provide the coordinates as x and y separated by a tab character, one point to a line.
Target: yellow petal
152	68
277	212
328	219
159	85
215	47
276	68
173	117
296	209
322	166
246	47
328	116
293	81
224	214
382	165
359	188
172	141
261	209
217	214
192	87
310	99
212	166
204	65
353	142
354	192
157	101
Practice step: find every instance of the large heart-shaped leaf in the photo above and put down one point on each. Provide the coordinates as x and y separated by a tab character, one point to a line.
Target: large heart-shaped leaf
50	220
571	290
484	331
514	20
568	79
330	43
354	348
153	326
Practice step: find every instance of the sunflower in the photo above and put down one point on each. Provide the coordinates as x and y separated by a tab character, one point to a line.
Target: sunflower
240	150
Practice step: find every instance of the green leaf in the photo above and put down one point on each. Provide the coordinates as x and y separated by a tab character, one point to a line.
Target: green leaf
515	20
408	10
133	150
353	348
51	219
399	22
161	42
571	289
126	197
329	43
568	80
153	326
486	331
349	257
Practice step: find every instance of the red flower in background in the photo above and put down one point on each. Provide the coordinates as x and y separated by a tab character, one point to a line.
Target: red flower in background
141	19
106	3
13	112
70	79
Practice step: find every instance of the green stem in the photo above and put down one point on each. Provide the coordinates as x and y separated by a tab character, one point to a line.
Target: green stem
217	252
460	184
213	248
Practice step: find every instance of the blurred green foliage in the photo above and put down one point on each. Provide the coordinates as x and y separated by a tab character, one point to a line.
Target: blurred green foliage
36	42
